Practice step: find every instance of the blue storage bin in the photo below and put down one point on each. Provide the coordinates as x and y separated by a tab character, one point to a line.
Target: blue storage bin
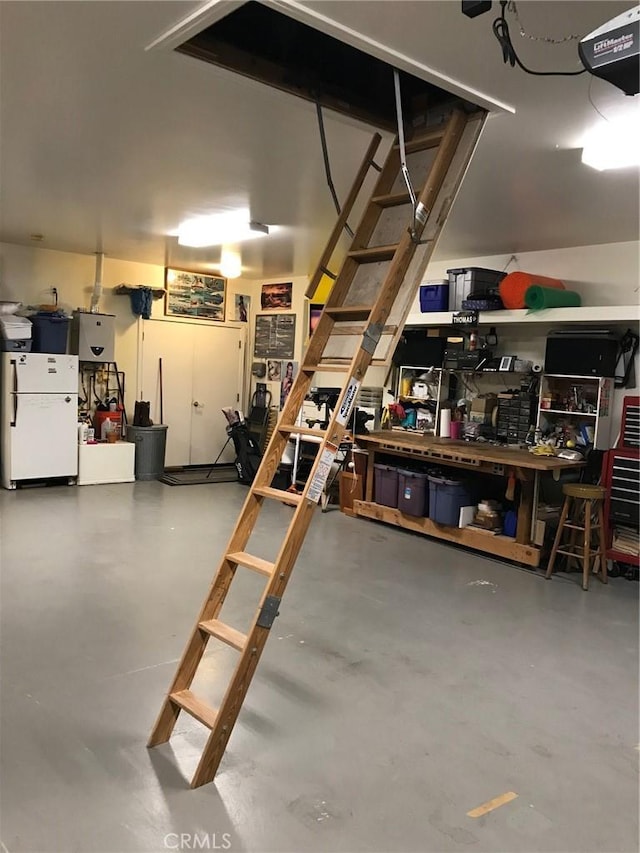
49	333
434	296
446	498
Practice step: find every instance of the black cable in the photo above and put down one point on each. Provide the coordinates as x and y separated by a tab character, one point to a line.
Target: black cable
592	102
509	55
327	166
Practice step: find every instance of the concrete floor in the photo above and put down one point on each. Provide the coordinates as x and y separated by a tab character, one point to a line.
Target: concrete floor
404	683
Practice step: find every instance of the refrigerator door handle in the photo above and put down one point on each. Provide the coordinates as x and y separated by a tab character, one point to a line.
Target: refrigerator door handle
15	393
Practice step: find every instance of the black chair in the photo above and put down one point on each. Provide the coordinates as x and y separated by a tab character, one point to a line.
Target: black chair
258	418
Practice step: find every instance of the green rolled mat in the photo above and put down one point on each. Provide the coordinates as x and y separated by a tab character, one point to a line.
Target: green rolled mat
538	297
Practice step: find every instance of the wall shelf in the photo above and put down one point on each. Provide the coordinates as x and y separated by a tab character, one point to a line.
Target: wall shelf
126	289
587	314
564	412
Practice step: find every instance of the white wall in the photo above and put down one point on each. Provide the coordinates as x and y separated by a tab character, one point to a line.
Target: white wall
608	274
604	275
28	273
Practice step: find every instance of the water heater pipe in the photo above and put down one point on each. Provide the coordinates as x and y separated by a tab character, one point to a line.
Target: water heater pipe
97	287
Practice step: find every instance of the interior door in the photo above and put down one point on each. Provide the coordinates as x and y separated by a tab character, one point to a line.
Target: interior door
217	383
201	364
171	342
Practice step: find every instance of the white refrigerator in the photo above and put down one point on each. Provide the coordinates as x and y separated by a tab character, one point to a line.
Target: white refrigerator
39	417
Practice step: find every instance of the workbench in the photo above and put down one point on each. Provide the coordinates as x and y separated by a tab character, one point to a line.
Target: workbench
471	456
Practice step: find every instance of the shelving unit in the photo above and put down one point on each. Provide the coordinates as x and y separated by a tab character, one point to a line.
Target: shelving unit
566	412
586	315
411	374
589	388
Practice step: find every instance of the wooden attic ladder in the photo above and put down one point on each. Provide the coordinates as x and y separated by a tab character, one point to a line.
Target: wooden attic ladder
360	325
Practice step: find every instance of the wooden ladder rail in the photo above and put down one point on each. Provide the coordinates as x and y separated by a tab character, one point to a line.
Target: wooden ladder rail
179	697
341	221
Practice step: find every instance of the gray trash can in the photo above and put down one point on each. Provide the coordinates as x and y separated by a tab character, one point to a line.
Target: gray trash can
150	445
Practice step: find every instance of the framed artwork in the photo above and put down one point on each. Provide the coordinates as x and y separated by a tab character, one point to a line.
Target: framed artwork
194	294
275	336
288	374
274	370
315	310
276	297
242	306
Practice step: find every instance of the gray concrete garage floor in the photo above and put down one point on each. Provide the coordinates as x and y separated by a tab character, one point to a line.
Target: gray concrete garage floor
404	684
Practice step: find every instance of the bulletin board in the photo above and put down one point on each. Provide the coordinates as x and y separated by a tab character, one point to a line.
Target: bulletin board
275	336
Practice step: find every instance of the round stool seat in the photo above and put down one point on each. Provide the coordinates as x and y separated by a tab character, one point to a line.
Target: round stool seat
584	490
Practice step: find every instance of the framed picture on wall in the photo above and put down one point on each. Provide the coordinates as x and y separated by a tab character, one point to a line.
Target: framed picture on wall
275	336
276	297
315	310
242	306
194	295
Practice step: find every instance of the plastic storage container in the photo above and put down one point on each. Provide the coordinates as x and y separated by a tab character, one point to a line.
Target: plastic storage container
412	492
50	333
472	280
434	296
15	333
446	497
385	485
100	423
150	444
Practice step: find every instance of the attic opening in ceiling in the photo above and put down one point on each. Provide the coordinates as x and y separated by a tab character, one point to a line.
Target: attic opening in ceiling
265	45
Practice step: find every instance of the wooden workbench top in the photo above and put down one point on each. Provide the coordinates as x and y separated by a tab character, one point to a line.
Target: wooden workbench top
441	448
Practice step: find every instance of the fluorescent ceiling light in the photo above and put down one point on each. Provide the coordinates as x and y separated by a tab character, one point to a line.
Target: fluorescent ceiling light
220	228
614	144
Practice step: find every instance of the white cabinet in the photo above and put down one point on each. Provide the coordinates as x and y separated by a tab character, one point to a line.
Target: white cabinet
579	404
202	372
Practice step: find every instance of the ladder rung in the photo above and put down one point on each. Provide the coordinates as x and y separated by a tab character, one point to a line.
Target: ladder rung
257	564
224	632
579	527
292	429
431	139
288	498
577	556
373	254
392	199
190	703
330	368
350	312
340	331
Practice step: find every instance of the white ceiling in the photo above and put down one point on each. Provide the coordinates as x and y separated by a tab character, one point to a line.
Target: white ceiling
106	146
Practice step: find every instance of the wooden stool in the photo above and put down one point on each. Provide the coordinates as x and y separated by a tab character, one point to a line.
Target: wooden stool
588	500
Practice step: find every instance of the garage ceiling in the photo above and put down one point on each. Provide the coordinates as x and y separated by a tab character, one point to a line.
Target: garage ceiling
108	146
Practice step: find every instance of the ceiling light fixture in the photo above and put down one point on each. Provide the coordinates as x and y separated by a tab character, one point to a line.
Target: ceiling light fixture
614	145
220	228
230	263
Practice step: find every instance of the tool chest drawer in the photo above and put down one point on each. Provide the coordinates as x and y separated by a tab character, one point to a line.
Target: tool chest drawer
630	432
624	488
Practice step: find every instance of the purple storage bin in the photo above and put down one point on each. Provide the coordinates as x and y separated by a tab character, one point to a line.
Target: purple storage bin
412	492
385	485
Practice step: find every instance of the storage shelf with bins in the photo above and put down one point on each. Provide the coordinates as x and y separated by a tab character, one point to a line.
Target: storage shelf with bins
590	399
440	387
433	389
586	314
